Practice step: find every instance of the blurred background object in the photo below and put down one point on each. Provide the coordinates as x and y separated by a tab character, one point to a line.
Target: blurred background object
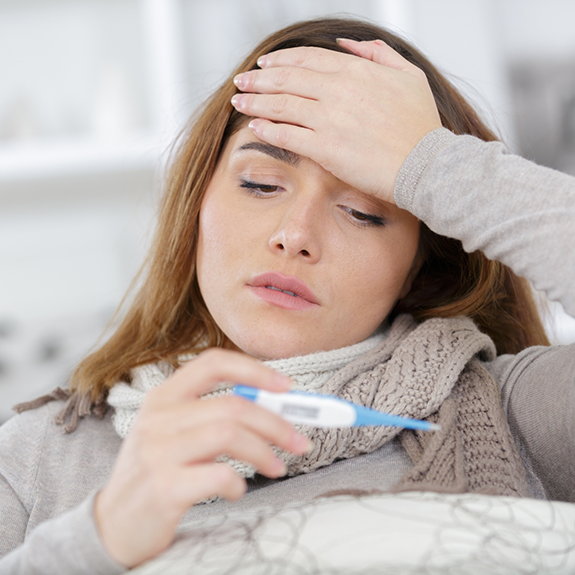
94	91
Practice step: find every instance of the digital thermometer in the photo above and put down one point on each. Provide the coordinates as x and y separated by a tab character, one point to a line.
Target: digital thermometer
326	410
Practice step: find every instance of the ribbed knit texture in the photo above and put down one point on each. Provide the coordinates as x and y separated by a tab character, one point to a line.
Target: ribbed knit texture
420	371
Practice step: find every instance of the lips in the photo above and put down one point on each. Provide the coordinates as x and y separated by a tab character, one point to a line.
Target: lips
284	291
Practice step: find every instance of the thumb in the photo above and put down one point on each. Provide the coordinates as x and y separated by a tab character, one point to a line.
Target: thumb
377	51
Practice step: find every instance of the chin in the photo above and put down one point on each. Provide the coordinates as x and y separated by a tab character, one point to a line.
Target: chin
269	347
268	353
273	347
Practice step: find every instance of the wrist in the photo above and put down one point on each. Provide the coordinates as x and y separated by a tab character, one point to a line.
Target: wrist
414	166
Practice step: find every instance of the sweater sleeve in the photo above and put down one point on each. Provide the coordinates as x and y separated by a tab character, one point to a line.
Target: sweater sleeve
514	211
13	519
538	396
69	544
524	216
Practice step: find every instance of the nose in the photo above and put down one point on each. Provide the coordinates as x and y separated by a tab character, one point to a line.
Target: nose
298	232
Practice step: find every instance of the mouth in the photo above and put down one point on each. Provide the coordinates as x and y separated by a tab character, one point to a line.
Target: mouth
287	292
283	291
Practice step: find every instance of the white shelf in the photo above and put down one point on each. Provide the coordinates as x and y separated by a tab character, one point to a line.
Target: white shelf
73	156
103	90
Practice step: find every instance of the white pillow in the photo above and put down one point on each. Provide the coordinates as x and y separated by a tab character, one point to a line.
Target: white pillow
396	534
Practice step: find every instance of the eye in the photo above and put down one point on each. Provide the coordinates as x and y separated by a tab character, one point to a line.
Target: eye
259	189
364	219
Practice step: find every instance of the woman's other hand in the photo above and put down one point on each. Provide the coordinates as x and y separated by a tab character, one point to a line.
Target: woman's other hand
166	464
359	118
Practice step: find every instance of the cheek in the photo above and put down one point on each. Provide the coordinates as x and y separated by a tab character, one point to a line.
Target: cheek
377	275
225	238
211	244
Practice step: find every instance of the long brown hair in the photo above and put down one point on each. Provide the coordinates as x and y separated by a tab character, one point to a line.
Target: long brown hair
168	317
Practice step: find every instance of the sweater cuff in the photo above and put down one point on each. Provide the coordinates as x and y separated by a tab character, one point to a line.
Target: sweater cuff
68	544
412	169
95	552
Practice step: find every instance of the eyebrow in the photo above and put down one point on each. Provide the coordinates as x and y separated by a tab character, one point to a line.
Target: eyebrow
286	156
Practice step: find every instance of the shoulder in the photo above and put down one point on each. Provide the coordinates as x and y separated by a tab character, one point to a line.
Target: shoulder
34	450
543	368
538	395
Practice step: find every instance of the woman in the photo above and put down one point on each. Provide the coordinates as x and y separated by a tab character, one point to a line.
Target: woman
304	239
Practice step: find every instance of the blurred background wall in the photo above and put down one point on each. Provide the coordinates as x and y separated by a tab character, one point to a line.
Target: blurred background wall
93	92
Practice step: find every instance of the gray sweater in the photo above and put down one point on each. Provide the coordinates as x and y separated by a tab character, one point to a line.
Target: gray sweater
512	210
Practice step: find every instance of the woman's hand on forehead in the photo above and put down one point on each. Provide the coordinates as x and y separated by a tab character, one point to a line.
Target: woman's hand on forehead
359	118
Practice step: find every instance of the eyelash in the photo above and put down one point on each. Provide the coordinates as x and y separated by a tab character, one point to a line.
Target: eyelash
258	189
361	219
364	219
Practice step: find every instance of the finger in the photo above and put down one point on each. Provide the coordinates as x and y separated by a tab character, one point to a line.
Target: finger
207	443
189	485
302	141
283	80
377	51
212	367
308	57
232	409
278	107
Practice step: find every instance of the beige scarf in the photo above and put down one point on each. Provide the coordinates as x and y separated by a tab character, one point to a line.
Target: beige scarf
427	371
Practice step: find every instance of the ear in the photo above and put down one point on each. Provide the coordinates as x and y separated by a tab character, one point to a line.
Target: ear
415	267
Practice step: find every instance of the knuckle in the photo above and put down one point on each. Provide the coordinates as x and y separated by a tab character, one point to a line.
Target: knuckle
249	79
212	358
305	54
282	77
226	479
279	104
282	136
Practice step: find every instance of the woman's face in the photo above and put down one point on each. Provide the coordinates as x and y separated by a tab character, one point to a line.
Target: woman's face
292	260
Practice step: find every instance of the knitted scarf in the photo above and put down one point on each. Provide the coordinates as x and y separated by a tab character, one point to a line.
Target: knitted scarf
431	371
308	373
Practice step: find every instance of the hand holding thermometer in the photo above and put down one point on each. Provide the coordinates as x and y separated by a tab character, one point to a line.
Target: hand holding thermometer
326	410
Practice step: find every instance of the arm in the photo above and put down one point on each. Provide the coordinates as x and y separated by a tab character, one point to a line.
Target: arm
68	544
514	211
13	519
523	216
538	395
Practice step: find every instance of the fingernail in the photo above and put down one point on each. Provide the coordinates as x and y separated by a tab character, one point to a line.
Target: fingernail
310	446
237	101
282	468
339	40
254	125
262	61
240	81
